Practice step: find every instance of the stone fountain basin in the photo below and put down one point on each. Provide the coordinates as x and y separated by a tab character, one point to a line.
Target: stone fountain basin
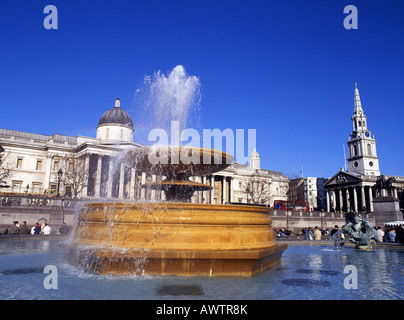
177	239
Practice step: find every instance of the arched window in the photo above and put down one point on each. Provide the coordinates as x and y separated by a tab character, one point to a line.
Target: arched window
359	123
369	149
355	150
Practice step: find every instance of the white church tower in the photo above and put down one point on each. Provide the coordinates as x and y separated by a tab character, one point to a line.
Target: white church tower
361	143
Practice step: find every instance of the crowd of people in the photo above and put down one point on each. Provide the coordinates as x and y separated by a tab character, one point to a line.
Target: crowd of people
390	234
386	234
43	229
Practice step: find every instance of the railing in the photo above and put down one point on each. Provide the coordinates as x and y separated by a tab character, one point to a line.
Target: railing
38	201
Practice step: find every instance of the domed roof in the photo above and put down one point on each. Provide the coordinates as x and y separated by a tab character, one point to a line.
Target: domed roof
254	154
116	116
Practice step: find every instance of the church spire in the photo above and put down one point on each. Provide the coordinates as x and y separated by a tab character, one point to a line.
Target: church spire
361	143
358	104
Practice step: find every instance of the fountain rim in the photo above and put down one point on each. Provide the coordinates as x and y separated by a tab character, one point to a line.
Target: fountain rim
181	169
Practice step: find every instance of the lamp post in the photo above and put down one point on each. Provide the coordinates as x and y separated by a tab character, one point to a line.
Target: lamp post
60	173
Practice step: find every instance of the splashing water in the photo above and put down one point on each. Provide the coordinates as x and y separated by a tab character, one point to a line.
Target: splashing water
175	97
337	240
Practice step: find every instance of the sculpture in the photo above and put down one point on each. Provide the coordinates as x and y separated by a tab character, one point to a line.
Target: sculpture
360	232
383	184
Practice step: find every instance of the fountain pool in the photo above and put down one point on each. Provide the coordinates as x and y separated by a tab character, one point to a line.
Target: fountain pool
305	272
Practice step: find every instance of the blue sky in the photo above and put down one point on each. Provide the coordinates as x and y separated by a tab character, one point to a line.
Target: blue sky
284	68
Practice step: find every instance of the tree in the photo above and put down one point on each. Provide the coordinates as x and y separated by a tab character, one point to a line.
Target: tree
5	165
75	174
257	189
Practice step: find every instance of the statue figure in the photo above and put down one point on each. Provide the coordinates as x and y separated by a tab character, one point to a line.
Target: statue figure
360	232
384	184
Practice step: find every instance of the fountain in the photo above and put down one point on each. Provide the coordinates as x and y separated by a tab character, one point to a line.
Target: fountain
175	237
360	232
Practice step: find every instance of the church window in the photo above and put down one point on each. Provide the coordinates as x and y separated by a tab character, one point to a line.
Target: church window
355	164
371	163
355	149
369	149
359	123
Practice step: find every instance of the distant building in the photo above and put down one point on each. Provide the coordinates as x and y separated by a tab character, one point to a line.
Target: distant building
309	189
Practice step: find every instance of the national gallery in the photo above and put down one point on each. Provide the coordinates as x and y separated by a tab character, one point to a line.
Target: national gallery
90	168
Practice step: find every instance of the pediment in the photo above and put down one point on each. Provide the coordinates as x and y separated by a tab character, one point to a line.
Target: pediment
342	177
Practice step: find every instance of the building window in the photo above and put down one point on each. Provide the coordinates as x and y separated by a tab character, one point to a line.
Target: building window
17	186
68	191
36	187
39	165
19	163
369	149
56	165
355	150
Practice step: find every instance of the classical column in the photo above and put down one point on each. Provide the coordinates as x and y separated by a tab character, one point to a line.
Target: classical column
224	190
348	203
48	169
355	199
121	180
328	200
132	183
370	199
143	190
212	191
231	198
340	200
204	192
87	170
110	178
334	199
153	192
98	177
363	199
